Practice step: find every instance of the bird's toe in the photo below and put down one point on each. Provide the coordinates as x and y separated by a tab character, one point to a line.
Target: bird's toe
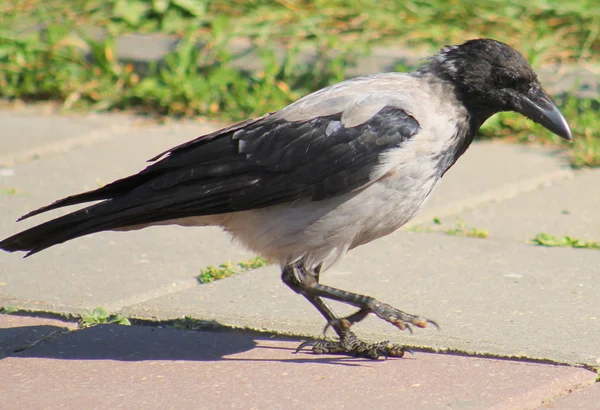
350	345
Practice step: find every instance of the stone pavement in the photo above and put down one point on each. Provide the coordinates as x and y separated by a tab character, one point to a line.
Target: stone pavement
520	323
147	367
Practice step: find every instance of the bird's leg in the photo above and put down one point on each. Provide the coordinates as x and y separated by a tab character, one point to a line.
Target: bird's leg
351	319
367	304
294	276
307	285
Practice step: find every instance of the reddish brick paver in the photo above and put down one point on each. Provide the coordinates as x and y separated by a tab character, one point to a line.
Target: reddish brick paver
150	367
17	332
586	399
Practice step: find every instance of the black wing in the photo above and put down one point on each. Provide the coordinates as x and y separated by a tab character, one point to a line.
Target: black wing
250	165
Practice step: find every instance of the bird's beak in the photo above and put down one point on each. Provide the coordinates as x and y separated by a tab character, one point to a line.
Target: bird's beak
538	106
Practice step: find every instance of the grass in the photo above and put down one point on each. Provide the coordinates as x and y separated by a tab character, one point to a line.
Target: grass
5	310
99	316
63	62
51	64
8	191
212	273
459	229
548	30
189	323
545	239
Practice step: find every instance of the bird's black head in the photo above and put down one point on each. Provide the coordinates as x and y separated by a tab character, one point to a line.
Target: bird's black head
491	76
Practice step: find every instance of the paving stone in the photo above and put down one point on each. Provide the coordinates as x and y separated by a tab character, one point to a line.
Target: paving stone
585	399
491	172
29	134
108	269
564	207
489	297
142	367
21	332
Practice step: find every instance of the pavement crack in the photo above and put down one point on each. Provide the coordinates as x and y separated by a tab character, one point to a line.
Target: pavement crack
46	338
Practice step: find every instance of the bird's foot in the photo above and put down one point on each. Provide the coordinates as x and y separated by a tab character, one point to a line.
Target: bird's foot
398	318
350	345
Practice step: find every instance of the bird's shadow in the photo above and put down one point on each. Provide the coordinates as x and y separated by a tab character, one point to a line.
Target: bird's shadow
147	343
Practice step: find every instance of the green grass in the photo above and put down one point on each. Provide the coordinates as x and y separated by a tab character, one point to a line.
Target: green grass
459	229
99	316
547	30
212	273
5	310
189	323
545	239
50	63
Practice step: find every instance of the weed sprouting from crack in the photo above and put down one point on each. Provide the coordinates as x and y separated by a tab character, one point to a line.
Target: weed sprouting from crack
460	229
546	239
7	310
212	273
99	316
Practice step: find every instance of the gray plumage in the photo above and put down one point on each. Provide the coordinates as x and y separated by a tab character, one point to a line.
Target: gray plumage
338	168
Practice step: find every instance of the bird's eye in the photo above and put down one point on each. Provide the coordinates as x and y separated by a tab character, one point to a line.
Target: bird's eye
507	81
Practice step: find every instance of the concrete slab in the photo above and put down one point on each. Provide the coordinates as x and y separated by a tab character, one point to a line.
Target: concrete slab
490	172
565	207
108	269
505	299
118	366
22	332
29	134
87	167
588	398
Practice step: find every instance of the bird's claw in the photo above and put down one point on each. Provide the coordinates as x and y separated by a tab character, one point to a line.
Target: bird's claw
362	349
305	344
398	318
350	345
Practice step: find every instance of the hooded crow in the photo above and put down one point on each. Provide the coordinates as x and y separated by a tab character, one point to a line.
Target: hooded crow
336	169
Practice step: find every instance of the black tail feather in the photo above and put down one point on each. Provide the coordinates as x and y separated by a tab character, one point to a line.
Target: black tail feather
219	154
83	222
140	207
108	191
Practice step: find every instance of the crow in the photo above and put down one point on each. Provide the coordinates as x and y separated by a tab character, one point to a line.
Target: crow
336	169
